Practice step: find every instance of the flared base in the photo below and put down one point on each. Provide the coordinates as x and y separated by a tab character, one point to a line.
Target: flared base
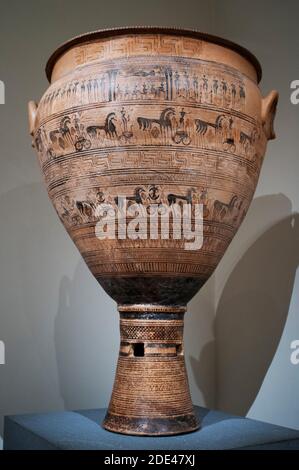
151	426
151	392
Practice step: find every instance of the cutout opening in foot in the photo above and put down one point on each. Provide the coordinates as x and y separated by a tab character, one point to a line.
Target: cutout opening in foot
139	349
179	349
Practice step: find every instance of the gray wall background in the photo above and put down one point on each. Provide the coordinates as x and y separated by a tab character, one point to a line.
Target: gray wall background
59	327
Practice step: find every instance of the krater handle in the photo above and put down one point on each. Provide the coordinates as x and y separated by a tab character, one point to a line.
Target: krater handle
269	105
32	111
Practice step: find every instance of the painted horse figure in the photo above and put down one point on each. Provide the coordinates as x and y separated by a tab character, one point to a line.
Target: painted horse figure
202	126
62	136
221	209
137	198
173	198
86	208
165	121
108	127
248	140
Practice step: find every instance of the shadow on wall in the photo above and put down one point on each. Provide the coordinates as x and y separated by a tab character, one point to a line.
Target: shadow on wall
204	373
52	360
251	312
254	305
86	341
28	380
200	341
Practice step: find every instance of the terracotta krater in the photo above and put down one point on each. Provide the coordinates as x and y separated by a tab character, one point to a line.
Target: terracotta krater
162	117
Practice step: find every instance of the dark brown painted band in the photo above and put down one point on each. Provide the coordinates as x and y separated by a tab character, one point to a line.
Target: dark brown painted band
151	426
152	308
151	316
160	290
112	32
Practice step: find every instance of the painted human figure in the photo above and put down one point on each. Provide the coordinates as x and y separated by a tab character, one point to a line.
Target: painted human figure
241	92
144	90
103	88
177	82
124	118
127	92
205	87
233	92
224	87
187	84
182	119
215	86
205	83
195	86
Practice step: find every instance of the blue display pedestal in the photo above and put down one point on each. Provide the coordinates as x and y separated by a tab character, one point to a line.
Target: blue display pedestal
82	430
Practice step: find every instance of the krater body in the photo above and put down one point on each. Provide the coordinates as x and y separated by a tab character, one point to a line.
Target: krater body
156	117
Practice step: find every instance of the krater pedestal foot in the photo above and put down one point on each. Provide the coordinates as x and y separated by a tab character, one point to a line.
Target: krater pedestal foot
151	393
